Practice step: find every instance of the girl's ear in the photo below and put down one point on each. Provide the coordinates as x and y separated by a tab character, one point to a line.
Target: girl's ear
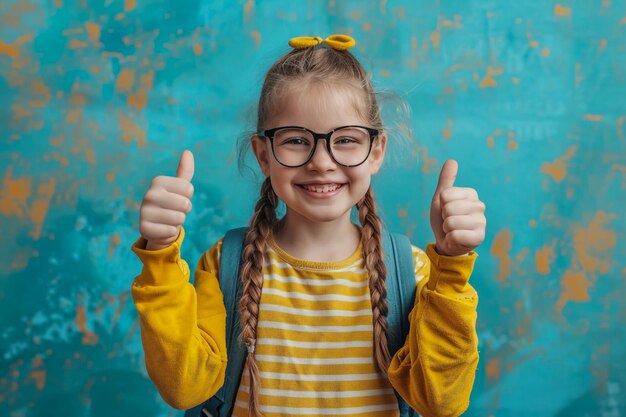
259	147
378	153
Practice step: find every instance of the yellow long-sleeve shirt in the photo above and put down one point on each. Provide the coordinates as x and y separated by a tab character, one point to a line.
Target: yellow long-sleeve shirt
314	346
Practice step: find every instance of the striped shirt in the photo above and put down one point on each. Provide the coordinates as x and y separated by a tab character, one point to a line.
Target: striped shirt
314	343
307	366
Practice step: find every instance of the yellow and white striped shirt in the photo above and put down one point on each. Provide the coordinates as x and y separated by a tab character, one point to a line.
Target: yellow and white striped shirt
314	343
314	346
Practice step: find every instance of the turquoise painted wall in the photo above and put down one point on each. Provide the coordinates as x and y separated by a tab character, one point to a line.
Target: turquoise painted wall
97	98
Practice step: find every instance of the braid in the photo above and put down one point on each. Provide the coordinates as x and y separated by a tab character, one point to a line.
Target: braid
253	256
373	255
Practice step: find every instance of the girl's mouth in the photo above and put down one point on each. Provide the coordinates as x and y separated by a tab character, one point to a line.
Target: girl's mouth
321	188
326	190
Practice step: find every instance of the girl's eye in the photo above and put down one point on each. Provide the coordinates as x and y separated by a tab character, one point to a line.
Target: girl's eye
345	141
294	141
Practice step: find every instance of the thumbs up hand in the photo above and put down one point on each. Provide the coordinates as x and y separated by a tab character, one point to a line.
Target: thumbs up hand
166	204
457	216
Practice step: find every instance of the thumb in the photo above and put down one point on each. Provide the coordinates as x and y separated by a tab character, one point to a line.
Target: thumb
185	166
447	176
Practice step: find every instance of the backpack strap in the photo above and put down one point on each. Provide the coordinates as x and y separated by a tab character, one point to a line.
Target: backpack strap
221	404
401	289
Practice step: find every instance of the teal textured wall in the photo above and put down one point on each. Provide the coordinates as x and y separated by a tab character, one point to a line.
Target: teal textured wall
96	98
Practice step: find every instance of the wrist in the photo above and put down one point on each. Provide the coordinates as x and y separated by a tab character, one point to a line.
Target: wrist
442	253
154	246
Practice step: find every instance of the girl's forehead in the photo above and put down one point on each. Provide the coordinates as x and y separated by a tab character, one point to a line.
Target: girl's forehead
319	107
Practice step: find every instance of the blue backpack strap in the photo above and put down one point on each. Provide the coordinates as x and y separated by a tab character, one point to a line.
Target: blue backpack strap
221	404
401	289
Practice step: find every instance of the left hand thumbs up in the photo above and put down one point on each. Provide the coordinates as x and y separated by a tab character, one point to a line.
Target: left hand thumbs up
457	216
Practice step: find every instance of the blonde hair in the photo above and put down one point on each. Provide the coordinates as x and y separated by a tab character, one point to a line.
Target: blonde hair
299	69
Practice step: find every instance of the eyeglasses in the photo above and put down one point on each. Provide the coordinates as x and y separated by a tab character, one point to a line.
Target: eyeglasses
294	146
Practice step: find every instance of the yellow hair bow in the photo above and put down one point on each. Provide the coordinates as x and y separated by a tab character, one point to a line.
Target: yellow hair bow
339	42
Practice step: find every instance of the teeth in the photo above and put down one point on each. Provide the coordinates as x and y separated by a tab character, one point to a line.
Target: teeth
321	188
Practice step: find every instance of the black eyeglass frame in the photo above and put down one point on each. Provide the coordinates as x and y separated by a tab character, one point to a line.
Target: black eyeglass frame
269	134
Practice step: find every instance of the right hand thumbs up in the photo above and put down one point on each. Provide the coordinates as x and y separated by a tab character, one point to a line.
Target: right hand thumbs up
166	204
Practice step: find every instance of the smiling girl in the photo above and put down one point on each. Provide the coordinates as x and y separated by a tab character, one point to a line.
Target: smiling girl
314	303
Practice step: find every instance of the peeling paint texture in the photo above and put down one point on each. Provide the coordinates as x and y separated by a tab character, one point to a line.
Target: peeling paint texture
97	98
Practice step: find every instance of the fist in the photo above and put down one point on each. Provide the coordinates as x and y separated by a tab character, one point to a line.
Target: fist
165	205
457	216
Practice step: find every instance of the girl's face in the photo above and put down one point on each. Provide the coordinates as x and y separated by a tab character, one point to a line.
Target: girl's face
321	190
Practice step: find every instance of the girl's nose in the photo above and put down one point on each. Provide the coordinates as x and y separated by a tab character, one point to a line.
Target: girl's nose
321	159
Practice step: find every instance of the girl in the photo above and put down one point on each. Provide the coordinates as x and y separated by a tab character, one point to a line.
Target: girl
313	309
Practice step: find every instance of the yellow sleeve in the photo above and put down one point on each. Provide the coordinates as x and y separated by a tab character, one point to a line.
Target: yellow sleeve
434	371
183	328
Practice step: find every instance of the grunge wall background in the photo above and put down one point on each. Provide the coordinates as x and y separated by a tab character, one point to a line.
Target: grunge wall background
97	98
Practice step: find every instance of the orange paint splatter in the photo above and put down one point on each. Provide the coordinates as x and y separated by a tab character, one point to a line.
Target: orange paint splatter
91	158
129	5
558	169
22	257
592	244
493	369
603	44
115	240
20	112
574	288
38	87
37	361
139	100
435	39
93	30
562	11
40	206
500	248
593	117
247	8
257	37
13	49
76	44
40	378
544	258
14	194
131	130
488	80
147	80
125	80
89	338
428	165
